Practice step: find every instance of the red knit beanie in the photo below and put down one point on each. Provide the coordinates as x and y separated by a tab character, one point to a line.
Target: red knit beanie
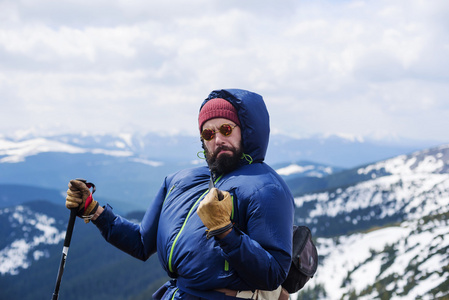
217	108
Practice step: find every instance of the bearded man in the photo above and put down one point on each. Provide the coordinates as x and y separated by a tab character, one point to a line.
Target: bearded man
221	231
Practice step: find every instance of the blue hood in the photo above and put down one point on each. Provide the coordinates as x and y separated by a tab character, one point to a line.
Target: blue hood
254	119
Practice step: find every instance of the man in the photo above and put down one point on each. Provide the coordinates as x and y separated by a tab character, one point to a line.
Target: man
216	243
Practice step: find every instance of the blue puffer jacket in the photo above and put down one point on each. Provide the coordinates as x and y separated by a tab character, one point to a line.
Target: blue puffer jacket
255	255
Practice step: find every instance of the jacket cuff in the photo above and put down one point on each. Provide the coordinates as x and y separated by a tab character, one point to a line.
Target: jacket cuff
102	220
230	242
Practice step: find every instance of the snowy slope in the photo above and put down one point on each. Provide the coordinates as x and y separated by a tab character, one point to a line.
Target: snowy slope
405	187
435	160
27	235
400	262
405	258
305	169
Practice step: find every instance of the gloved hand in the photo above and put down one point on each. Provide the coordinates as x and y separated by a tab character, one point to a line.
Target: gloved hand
80	197
216	214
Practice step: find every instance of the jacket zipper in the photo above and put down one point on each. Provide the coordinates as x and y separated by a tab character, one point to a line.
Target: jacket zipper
174	294
226	265
170	259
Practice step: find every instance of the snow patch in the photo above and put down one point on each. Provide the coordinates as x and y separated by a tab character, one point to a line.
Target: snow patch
294	169
14	152
147	162
17	254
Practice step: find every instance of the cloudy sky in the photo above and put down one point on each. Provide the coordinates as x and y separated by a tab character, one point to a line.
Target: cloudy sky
376	68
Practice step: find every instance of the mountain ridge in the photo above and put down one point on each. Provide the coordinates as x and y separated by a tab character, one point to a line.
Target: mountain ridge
156	148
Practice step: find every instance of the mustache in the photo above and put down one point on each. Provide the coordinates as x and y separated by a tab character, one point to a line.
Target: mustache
223	148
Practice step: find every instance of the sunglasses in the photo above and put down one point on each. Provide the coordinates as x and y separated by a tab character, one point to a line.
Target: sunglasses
225	129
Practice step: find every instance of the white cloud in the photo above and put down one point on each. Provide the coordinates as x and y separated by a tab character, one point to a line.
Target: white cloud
360	67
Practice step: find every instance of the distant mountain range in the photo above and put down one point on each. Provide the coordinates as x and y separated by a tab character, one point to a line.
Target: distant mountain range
128	169
154	149
381	227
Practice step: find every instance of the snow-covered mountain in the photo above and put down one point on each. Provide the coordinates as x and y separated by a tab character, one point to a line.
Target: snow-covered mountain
406	261
122	167
14	151
399	220
152	148
402	188
29	234
305	169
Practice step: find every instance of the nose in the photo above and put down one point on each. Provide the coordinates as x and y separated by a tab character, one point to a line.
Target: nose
219	138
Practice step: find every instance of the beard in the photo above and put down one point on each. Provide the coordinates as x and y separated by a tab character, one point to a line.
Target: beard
224	163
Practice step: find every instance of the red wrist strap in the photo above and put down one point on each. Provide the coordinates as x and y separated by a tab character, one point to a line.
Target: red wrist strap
88	201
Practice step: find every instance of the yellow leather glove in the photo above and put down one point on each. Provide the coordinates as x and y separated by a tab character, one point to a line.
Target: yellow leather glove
215	213
80	197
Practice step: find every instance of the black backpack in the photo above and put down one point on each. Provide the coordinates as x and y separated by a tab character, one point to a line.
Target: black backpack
304	260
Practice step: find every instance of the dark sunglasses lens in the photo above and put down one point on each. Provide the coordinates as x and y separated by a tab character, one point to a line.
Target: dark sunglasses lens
207	134
225	129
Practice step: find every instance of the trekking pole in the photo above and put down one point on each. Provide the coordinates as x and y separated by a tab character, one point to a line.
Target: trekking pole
67	239
65	250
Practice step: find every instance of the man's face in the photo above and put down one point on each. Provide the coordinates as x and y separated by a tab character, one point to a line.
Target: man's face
223	152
